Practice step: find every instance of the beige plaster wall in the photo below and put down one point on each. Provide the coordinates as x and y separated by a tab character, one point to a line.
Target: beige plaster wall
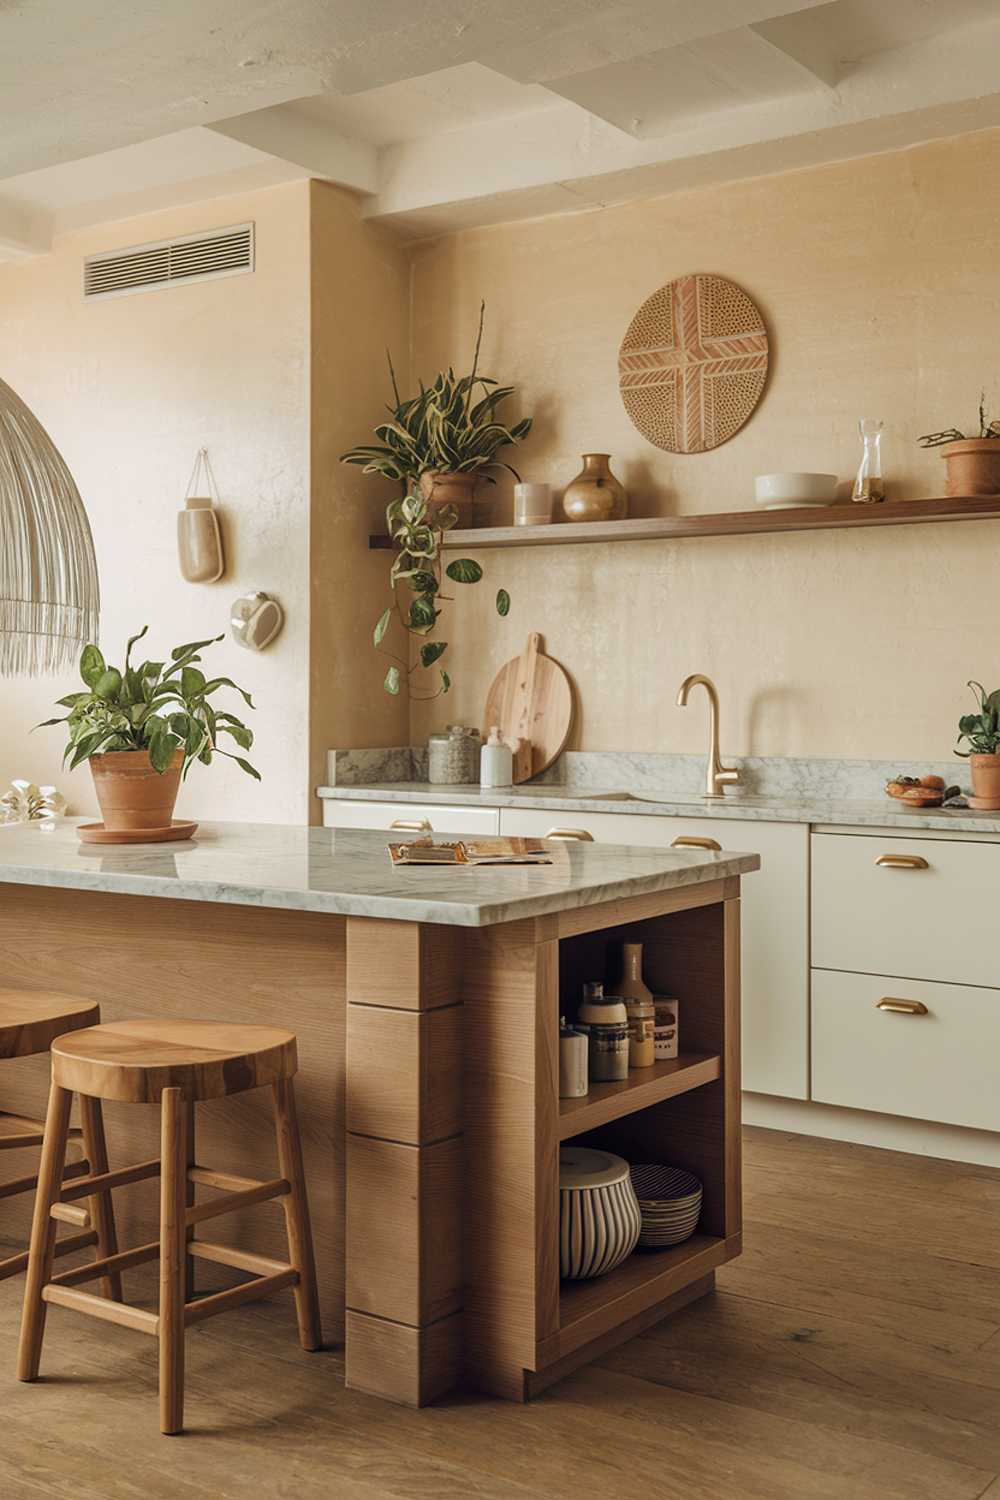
360	304
878	282
129	388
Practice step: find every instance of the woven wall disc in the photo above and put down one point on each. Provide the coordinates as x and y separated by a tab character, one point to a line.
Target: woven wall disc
693	363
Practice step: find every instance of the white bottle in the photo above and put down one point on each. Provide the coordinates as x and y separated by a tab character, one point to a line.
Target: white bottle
496	761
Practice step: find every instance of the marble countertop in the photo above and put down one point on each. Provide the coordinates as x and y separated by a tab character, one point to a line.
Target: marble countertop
883	812
348	871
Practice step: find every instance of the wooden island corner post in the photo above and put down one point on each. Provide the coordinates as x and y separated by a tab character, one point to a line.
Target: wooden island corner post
454	1124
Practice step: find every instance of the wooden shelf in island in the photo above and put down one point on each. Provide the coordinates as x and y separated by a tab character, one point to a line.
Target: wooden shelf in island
725	523
588	1309
609	1101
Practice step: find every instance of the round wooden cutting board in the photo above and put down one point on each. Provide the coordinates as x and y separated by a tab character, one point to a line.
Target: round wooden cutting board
531	701
693	363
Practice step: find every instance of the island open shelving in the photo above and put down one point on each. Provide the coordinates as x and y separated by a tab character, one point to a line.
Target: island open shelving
609	1101
843	516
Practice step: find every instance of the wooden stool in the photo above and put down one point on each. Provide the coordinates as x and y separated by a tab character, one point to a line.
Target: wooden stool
30	1021
175	1063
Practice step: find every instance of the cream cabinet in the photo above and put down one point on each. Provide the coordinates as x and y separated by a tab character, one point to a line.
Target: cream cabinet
410	816
775	927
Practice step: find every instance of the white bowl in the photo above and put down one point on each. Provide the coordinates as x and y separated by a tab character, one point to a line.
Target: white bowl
780	491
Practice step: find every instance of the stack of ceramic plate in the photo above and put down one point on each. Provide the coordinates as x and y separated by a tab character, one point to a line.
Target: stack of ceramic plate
669	1202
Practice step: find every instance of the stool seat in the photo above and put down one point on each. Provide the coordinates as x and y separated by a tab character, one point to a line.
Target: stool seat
30	1020
134	1061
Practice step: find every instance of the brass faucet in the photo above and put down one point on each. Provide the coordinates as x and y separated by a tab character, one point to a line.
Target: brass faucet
717	775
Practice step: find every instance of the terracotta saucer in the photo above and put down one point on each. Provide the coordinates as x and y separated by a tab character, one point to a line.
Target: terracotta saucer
96	833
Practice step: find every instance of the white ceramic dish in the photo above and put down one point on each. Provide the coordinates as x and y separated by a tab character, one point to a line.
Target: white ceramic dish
788	491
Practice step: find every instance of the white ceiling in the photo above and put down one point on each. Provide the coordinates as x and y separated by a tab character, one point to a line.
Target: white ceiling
445	113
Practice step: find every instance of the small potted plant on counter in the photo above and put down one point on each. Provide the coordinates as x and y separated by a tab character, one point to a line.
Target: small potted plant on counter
445	439
141	728
981	732
972	464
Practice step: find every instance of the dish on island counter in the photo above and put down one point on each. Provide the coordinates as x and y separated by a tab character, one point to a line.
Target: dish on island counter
921	791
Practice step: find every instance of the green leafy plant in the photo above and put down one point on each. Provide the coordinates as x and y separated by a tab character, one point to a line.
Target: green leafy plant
161	707
952	434
416	579
451	427
981	731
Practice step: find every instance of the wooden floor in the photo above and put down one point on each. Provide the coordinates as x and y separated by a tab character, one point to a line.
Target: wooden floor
853	1351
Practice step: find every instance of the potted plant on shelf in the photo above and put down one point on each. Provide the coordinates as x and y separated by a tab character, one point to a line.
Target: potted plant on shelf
142	727
417	531
972	463
445	439
981	732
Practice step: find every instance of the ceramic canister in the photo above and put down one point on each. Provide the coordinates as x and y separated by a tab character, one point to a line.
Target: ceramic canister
599	1218
573	1076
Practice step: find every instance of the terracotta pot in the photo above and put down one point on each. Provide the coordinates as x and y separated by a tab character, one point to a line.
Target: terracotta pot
440	489
130	793
595	494
985	782
972	467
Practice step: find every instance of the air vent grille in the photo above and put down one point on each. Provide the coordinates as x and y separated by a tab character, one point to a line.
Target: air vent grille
195	257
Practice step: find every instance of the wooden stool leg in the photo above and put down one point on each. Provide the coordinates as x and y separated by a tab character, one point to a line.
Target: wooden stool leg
173	1254
189	1196
102	1214
296	1206
43	1231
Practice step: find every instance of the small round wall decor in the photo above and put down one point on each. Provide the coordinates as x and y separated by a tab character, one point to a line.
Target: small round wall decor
693	363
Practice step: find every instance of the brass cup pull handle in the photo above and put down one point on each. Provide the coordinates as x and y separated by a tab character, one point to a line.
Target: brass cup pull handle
571	833
902	1007
413	825
902	862
689	841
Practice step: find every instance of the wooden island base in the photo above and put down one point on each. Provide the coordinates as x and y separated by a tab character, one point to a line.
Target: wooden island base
432	1052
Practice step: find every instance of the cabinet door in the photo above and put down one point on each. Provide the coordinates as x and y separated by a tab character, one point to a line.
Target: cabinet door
775	919
441	819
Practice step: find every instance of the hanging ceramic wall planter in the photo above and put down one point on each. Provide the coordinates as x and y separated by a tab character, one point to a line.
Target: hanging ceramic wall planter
199	536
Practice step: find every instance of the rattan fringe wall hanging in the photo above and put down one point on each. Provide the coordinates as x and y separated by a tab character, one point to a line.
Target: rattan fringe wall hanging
49	593
693	363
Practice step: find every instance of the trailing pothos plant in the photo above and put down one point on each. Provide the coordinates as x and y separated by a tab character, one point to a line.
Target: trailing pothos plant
416	579
160	707
981	731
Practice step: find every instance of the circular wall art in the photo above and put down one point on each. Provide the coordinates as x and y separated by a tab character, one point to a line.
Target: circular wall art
693	363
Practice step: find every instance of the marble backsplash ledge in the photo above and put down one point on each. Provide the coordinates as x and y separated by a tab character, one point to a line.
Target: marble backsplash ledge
681	776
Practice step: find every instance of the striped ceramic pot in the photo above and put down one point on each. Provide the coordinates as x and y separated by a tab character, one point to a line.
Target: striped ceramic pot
599	1219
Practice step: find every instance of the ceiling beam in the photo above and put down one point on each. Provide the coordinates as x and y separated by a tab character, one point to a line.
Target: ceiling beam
321	151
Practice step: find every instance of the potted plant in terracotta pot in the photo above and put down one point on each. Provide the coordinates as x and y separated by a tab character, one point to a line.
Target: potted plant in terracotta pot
142	727
981	732
445	439
972	464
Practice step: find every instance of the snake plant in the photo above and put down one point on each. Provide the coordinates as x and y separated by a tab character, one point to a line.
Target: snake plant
451	427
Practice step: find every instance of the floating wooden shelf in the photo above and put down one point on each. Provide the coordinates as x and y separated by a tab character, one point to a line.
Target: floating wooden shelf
609	1101
589	1308
726	523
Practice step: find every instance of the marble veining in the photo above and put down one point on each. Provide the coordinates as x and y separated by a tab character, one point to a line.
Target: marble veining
835	792
348	871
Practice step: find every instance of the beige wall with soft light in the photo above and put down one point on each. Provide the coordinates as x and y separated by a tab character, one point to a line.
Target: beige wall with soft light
878	282
360	306
129	388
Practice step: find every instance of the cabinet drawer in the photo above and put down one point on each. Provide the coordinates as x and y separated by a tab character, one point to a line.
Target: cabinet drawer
939	1066
443	819
935	921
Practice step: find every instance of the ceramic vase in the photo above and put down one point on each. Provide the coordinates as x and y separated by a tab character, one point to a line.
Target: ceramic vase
595	494
131	794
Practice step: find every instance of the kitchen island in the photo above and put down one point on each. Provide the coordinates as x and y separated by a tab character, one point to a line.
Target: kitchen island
426	1003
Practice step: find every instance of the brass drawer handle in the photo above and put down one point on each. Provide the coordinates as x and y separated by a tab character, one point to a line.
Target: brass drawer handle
902	862
902	1007
570	833
413	825
689	841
